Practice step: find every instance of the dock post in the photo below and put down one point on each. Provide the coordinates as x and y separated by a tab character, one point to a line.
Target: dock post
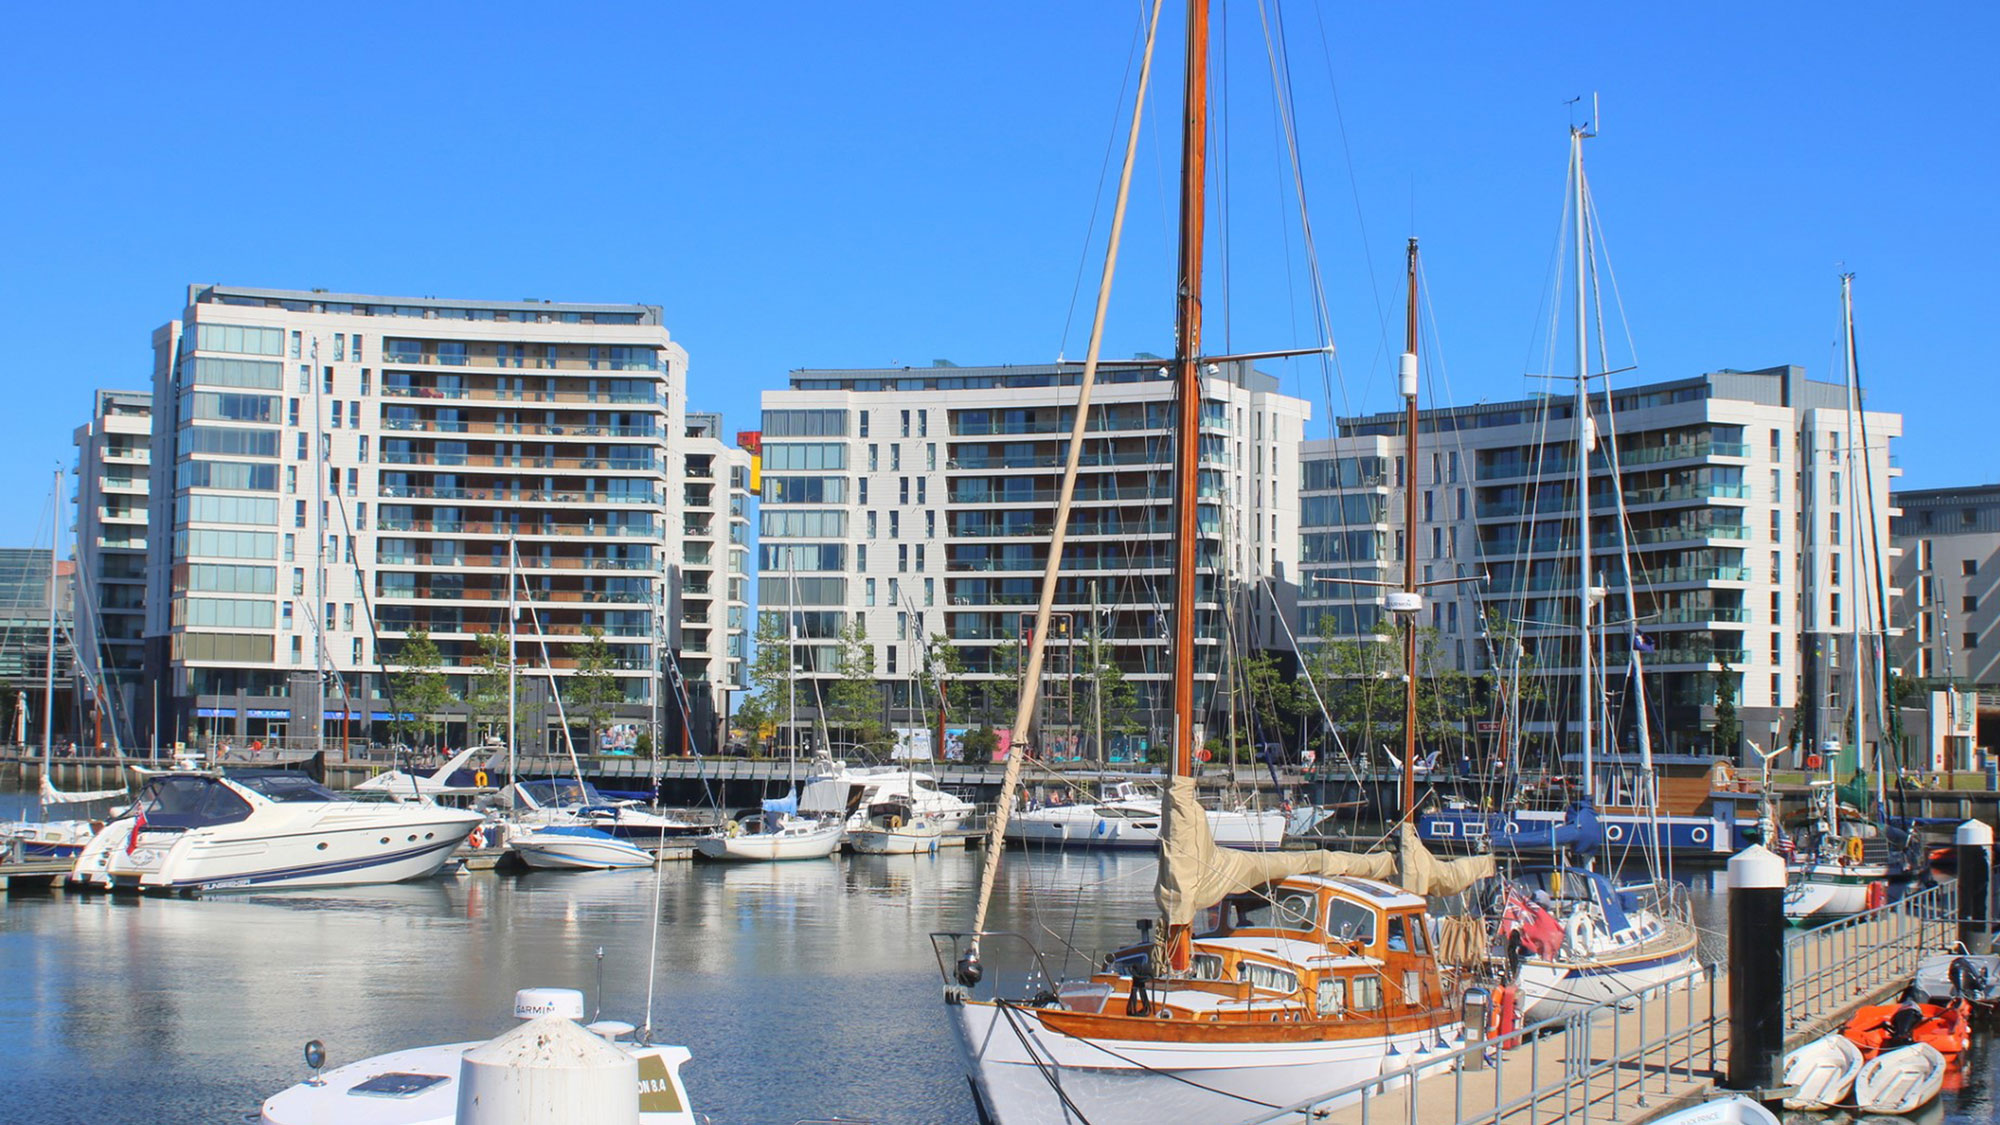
1975	881
1756	969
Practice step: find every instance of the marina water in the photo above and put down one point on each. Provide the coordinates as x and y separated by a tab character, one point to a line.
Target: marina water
805	990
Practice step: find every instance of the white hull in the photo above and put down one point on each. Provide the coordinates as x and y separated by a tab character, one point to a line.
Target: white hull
1147	1083
1901	1080
1734	1110
816	843
348	844
551	852
1554	988
1822	1071
1082	826
1827	891
895	841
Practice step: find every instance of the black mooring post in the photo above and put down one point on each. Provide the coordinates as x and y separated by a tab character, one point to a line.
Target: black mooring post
1756	969
1975	880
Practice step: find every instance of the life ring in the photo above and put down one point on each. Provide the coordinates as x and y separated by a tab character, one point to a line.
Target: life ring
479	779
1699	835
1855	849
1614	832
732	828
1576	934
1813	761
895	822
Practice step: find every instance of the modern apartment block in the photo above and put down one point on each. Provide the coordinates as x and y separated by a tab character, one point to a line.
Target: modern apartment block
333	473
714	563
114	456
919	502
25	589
1739	512
1948	572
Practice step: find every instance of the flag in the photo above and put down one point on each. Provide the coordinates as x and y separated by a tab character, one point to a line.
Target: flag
1641	643
138	826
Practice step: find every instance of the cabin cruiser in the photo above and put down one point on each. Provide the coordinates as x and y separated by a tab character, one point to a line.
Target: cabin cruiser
262	829
1128	816
572	802
399	784
573	847
425	1085
892	828
837	789
776	833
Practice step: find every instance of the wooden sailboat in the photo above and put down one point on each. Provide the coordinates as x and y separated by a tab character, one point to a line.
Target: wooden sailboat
1269	978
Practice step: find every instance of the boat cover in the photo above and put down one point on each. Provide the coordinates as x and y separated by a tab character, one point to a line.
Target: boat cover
1196	874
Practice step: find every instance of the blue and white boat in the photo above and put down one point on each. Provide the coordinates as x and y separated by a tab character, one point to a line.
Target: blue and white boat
577	848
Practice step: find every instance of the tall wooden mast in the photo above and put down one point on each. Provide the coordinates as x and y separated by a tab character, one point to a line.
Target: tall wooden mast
1407	372
1187	380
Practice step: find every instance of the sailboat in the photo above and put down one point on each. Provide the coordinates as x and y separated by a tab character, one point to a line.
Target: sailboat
61	837
1270	977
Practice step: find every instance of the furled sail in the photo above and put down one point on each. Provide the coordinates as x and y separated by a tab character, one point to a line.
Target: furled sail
1425	874
53	796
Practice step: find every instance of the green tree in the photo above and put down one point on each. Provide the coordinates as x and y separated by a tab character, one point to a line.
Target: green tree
762	712
593	691
1102	683
486	690
1728	728
1000	696
422	690
1359	681
854	702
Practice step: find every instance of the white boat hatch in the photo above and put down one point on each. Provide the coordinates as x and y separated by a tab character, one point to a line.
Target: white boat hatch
397	1085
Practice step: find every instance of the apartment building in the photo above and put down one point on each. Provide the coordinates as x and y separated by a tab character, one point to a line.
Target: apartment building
1748	503
1948	574
333	473
919	501
714	576
113	466
26	585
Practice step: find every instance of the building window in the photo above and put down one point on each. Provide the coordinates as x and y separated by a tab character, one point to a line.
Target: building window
871	525
1971	641
862	491
902	558
891	651
860	557
920	491
1968	567
895	457
920	556
906	423
930	456
869	594
923	423
895	525
1969	603
930	591
298	513
863	432
930	525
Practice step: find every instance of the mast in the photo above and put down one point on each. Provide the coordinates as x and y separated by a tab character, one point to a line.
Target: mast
1585	438
792	676
1187	380
1407	373
1854	579
1097	675
49	672
513	616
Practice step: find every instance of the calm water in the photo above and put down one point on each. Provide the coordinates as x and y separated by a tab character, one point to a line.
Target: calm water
804	990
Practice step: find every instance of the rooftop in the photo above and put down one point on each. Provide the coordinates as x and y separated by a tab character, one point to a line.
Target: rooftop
422	308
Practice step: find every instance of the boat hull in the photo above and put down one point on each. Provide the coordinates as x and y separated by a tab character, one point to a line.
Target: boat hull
1144	1083
769	847
1826	891
1901	1080
1689	836
1822	1072
1081	827
577	854
1551	988
894	841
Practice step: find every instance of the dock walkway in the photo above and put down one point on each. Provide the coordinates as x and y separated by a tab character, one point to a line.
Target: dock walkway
1636	1058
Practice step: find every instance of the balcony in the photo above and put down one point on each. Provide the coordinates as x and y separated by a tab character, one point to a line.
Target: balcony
509	496
523	530
515	429
515	394
501	461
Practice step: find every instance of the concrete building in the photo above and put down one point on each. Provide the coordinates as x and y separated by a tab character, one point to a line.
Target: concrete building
1948	573
113	465
25	589
715	575
333	473
1736	512
918	502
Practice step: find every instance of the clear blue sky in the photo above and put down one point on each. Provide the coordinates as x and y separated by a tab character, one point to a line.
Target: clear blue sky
858	185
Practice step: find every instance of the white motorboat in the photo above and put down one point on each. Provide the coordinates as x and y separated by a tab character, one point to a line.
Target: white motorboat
570	801
573	847
1900	1081
1973	977
1127	816
1732	1110
425	1085
401	785
893	829
1822	1072
789	837
836	789
263	829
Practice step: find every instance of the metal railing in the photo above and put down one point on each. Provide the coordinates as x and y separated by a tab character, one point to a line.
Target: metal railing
1830	967
1567	1076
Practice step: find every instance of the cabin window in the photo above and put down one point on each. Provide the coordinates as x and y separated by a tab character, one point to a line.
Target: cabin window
1331	998
1406	934
1266	976
1397	942
1207	966
1413	988
1367	993
1351	921
1294	912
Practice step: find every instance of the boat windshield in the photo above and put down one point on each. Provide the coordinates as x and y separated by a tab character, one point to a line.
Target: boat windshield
285	787
1350	921
189	802
561	792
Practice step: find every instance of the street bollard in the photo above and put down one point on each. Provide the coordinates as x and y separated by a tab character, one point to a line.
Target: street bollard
1756	969
1975	879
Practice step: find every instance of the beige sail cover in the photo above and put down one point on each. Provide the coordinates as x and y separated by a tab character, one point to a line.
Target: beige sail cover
1196	874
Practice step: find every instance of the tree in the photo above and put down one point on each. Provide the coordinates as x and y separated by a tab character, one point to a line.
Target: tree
855	700
763	709
486	692
941	664
594	690
1000	696
422	691
1359	681
1728	729
1104	692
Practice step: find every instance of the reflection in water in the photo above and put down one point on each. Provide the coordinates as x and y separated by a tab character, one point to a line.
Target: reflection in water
804	989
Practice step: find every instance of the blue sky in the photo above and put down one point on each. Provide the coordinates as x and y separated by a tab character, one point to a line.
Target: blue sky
862	185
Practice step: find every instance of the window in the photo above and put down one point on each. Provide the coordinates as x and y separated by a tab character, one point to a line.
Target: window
1968	567
299	514
1367	993
862	491
357	650
361	516
302	446
357	358
1969	603
862	429
920	491
930	525
902	558
285	615
874	456
326	381
291	478
895	525
930	591
869	587
239	338
906	423
871	525
930	456
895	457
1971	641
1331	998
809	423
295	345
920	556
892	660
363	449
353	415
861	556
902	490
336	414
291	546
248	374
924	423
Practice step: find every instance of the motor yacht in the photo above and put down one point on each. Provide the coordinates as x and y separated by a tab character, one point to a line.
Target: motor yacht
262	829
570	802
1125	815
836	789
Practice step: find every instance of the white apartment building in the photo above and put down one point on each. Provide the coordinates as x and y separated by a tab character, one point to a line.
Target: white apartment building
714	563
333	472
1738	512
114	454
1948	574
919	501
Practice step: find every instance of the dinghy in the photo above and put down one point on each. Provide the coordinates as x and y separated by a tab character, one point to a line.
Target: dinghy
1733	1110
1822	1071
1900	1081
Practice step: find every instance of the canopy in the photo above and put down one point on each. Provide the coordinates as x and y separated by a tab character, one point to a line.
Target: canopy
1196	874
1580	832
